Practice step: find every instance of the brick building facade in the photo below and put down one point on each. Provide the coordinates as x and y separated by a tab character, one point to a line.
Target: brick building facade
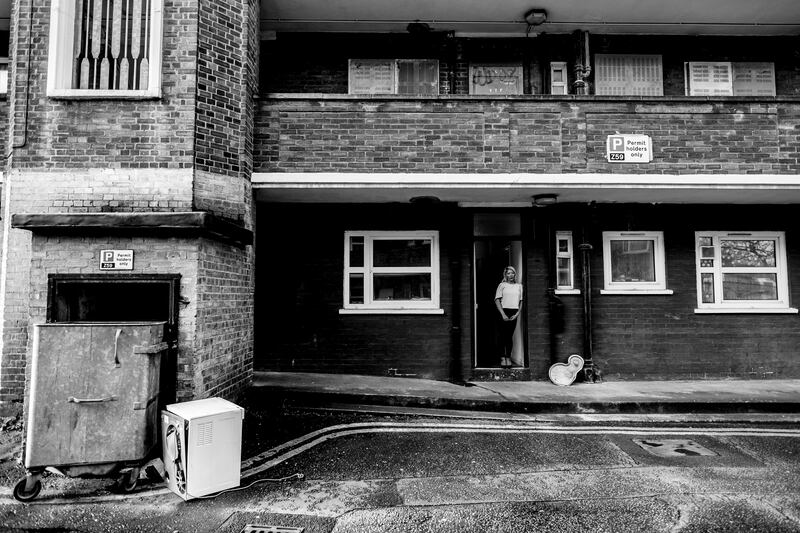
388	167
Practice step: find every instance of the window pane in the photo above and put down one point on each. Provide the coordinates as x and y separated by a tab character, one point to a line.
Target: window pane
743	253
402	286
356	251
356	288
707	282
417	77
633	261
563	245
705	241
563	272
112	45
750	286
401	253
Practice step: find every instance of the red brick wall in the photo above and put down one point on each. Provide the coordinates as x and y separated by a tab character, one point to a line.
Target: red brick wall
189	149
533	134
224	348
299	294
654	336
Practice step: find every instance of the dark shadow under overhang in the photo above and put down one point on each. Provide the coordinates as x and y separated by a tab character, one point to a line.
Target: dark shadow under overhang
195	223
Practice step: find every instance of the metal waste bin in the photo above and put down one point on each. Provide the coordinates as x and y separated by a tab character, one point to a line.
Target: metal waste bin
93	402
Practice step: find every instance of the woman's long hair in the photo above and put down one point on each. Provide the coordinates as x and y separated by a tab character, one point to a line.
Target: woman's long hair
512	269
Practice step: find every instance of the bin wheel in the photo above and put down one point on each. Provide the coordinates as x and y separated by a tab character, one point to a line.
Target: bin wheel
127	481
21	495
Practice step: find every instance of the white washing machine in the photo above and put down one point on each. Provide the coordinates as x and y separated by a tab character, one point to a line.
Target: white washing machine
202	446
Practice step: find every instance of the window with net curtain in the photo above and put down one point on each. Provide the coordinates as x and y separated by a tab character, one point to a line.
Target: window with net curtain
741	270
634	261
105	47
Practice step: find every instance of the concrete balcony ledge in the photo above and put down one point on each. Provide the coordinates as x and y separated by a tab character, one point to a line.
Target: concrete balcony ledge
530	97
162	224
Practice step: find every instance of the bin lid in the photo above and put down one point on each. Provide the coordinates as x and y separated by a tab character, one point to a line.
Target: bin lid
203	408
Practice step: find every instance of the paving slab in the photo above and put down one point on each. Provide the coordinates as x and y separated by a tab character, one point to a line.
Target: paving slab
773	395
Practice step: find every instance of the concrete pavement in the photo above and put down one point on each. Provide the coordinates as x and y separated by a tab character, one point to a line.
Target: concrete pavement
733	396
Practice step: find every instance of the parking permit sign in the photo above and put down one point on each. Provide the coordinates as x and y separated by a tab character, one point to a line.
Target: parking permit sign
629	148
116	259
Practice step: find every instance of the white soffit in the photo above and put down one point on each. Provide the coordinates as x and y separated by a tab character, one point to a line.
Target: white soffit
670	17
310	187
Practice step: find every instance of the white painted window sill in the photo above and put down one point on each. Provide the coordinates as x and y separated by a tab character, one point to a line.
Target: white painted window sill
747	310
378	311
95	94
637	292
567	291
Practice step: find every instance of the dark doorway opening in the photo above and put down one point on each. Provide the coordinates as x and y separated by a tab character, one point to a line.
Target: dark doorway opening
121	298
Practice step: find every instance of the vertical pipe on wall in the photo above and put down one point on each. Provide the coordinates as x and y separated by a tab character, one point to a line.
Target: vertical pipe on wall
583	68
455	230
586	291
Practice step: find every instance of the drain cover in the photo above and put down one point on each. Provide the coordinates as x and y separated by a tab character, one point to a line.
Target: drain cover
252	528
673	447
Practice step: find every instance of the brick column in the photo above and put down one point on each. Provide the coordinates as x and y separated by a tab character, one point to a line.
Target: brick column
188	150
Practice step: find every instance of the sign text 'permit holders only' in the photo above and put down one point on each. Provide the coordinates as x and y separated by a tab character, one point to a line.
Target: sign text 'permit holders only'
629	148
116	259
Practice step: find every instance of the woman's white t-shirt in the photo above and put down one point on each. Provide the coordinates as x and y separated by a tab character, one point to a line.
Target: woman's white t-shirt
510	294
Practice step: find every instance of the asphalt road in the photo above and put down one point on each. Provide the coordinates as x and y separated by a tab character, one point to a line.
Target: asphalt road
410	473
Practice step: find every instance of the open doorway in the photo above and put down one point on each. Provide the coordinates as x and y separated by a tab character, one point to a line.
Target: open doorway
497	244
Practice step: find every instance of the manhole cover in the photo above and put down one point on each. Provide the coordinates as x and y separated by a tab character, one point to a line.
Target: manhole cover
673	447
251	528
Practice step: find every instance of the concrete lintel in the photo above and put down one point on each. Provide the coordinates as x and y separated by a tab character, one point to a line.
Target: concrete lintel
164	223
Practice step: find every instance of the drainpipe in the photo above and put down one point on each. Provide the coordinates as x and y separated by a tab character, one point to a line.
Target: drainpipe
586	289
583	67
456	367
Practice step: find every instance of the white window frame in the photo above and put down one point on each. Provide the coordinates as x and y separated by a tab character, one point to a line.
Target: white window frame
569	254
558	87
370	305
781	305
659	286
634	67
5	70
394	64
59	63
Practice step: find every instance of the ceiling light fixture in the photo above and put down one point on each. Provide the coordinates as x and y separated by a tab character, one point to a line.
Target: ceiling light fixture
541	200
535	16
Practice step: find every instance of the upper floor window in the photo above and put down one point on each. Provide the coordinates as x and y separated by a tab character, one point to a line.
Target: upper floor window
741	272
625	74
633	261
558	77
393	76
105	48
725	78
495	78
391	271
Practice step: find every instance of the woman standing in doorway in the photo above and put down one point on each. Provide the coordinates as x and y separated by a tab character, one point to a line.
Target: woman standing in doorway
508	300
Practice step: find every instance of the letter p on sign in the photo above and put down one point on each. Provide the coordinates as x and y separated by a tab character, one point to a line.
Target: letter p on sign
616	143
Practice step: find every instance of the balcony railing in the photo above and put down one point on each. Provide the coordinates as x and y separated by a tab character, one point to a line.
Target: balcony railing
531	134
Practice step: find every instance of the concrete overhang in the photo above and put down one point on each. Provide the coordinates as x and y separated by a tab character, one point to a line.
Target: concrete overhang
485	18
517	189
194	223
